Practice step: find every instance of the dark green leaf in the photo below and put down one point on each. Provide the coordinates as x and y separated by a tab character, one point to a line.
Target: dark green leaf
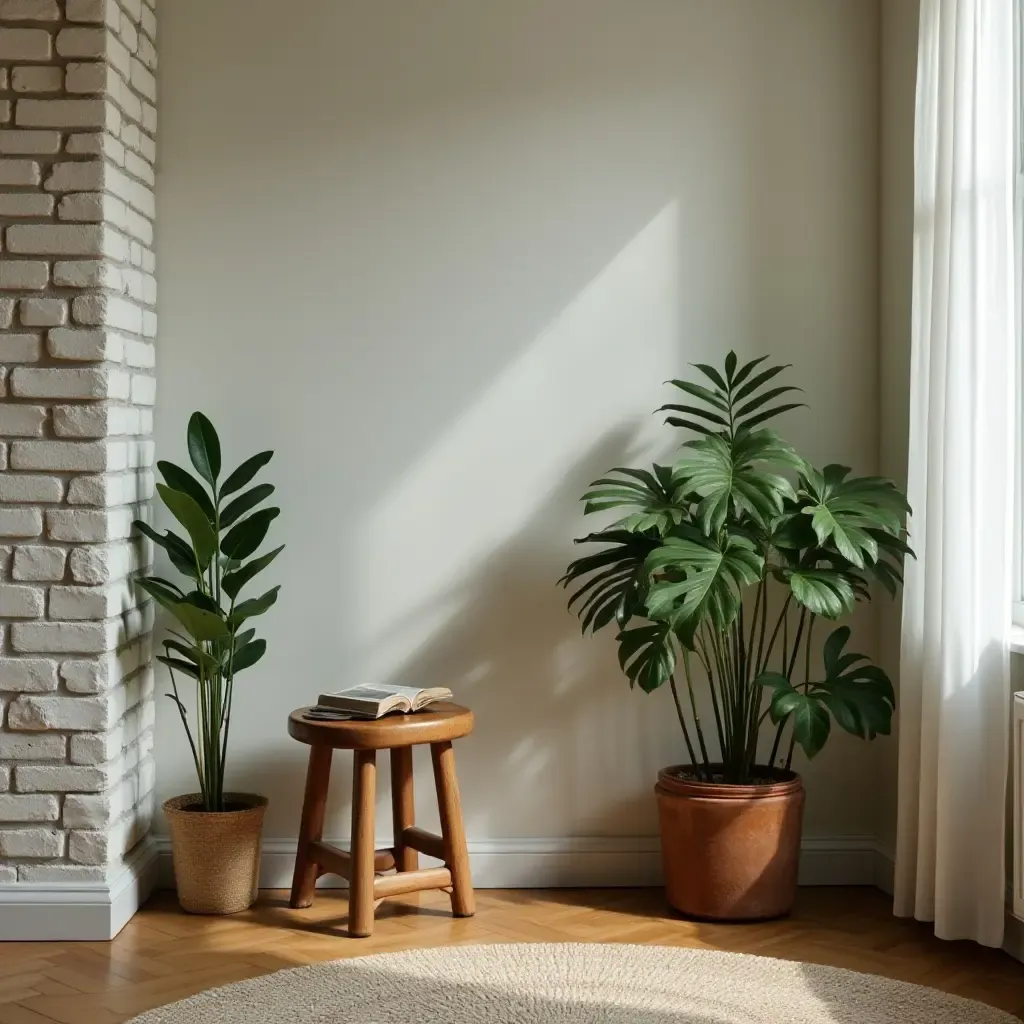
233	582
159	590
182	480
245	537
185	509
755	382
248	656
730	367
254	606
201	625
179	666
704	394
825	592
193	654
244	502
810	721
204	448
647	656
180	554
245	472
744	373
762	399
761	417
712	374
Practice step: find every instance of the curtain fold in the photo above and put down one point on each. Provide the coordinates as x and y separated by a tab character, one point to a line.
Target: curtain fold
954	673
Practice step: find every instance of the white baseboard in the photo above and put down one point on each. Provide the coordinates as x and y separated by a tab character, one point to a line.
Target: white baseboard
579	862
78	911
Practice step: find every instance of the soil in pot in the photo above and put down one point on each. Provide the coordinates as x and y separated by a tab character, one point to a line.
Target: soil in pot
216	854
730	852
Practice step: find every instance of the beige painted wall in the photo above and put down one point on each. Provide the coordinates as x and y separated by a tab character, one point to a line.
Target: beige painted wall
441	256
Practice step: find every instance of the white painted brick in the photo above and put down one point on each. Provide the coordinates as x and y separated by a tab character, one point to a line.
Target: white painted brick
69	382
19	172
85	345
38	843
133	8
98	747
89	526
5	774
82	42
67	873
111	489
67	778
25	204
91	602
118	55
148	22
95	420
30	142
99	11
102	310
21	421
76	176
100	810
38	79
36	562
138	196
20	348
7	305
8	874
98	143
106	846
130	35
90	714
44	312
21	522
142	80
27	675
32	807
5	110
99	564
23	275
88	77
6	551
29	10
30	487
140	168
149	117
85	206
61	456
137	454
86	274
143	389
140	354
94	113
66	637
97	675
25	44
20	602
22	747
57	239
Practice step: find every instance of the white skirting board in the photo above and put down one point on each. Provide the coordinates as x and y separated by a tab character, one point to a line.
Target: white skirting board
583	862
74	911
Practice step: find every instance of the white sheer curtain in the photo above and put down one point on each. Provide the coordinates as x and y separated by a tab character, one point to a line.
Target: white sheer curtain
954	675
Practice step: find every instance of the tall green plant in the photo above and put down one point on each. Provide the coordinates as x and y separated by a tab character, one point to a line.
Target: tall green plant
730	557
222	534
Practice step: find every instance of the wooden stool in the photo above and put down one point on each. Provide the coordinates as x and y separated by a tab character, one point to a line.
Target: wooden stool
399	734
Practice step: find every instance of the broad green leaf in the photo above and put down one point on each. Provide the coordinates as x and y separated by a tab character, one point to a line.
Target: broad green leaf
179	665
185	509
233	582
203	601
193	654
730	367
825	592
159	590
248	656
204	448
180	554
712	374
243	503
653	500
809	719
245	537
254	606
245	472
182	480
647	656
200	624
859	696
712	584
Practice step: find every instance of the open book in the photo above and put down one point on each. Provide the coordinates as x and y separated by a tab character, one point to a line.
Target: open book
375	701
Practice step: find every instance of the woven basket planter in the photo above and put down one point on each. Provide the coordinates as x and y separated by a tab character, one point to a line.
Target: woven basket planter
216	854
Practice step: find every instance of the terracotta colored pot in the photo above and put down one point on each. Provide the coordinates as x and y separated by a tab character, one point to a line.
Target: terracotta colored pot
730	853
216	854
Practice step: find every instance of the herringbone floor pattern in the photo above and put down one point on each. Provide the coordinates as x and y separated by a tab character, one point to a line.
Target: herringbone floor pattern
164	955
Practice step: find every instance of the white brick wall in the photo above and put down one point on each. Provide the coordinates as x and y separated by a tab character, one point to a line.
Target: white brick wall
77	325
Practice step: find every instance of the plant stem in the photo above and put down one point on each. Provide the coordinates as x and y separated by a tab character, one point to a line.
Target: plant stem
783	622
682	723
696	713
702	655
807	683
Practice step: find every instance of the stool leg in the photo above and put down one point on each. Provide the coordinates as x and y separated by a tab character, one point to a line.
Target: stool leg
318	778
403	806
452	832
360	895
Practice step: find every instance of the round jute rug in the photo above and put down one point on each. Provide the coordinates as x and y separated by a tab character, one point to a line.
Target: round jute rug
571	984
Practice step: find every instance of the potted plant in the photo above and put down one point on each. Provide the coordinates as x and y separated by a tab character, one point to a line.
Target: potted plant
716	575
215	834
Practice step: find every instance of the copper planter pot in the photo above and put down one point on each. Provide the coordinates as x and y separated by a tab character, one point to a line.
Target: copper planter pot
730	853
216	854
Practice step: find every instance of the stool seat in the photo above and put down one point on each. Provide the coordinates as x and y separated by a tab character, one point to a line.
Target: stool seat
444	721
362	864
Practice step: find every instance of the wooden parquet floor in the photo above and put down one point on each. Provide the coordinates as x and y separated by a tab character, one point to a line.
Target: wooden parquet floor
164	955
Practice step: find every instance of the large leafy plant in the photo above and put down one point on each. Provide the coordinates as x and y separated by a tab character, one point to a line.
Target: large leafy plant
722	564
211	647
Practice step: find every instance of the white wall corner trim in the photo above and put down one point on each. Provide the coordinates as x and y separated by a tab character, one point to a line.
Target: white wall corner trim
584	862
74	911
